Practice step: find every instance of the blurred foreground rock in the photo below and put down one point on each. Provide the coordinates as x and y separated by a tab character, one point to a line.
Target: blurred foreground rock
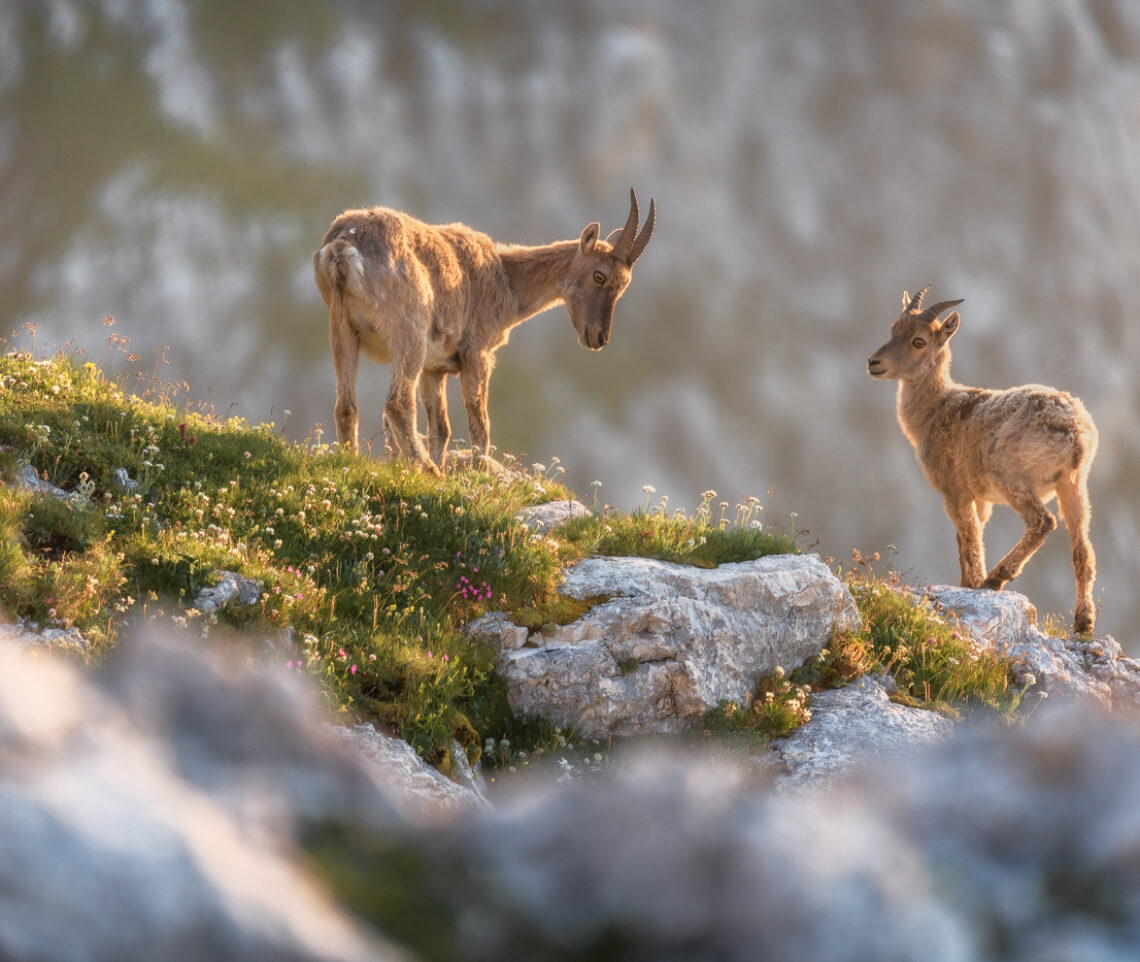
1019	844
152	812
667	642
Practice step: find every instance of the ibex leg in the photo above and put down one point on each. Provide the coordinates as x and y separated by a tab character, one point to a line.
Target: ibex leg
400	410
1038	523
346	355
971	556
474	375
433	393
1073	500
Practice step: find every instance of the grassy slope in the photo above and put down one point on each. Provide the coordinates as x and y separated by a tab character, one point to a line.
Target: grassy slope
372	568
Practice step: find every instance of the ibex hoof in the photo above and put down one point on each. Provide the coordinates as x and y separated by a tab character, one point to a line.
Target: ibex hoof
995	582
1084	622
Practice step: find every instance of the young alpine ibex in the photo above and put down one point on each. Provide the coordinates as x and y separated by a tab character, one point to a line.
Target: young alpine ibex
439	300
1019	446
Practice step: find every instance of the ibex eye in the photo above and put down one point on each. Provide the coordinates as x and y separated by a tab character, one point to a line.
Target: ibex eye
919	343
599	277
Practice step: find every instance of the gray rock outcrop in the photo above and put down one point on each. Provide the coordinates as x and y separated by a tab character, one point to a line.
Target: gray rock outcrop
230	586
545	517
25	634
669	641
155	809
1006	622
851	727
29	478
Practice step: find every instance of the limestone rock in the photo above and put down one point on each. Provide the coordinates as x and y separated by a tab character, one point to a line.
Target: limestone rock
671	641
230	585
542	518
125	481
852	726
1006	622
497	628
28	477
147	812
21	633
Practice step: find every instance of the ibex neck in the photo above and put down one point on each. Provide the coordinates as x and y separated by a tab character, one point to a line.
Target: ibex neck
536	274
920	400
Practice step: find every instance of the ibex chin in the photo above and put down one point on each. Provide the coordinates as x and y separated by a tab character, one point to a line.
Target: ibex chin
439	300
1021	446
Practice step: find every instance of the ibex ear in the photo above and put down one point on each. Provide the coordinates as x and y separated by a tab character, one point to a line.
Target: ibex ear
948	326
589	238
906	300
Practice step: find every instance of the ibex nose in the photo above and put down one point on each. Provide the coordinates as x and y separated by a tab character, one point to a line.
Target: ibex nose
602	339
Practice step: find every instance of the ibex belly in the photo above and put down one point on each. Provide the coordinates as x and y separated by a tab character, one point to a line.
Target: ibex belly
370	329
372	332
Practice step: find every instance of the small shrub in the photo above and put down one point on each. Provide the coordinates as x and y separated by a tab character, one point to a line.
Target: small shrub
777	708
55	525
933	662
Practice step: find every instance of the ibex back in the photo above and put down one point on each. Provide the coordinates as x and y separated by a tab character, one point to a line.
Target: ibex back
1021	446
439	300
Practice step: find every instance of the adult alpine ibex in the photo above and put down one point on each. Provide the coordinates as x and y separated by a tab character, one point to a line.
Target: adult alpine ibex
439	300
1020	446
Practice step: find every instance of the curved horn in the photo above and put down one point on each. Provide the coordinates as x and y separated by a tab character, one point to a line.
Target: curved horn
935	309
646	233
629	233
916	301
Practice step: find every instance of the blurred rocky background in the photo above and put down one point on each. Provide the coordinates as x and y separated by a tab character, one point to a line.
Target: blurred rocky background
174	164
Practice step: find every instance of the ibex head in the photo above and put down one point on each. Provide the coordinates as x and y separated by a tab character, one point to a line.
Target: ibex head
917	341
600	274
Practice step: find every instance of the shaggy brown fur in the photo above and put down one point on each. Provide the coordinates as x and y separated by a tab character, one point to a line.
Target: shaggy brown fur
439	300
1021	446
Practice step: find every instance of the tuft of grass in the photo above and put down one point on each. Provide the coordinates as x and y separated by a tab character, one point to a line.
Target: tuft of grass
556	611
703	540
934	663
777	708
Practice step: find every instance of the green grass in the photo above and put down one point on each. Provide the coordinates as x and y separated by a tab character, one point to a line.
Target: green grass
935	664
373	568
